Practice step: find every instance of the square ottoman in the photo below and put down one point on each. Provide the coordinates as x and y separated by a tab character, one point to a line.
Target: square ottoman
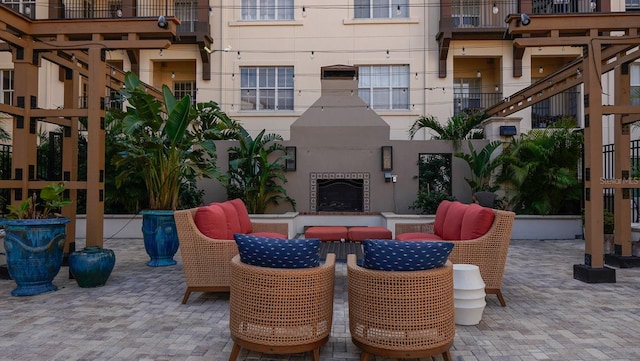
359	234
326	233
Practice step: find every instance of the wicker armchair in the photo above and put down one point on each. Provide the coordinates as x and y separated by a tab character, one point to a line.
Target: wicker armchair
206	261
488	252
401	314
278	310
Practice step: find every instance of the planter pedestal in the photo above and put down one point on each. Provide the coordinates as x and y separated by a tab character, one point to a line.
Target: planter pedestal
468	294
160	237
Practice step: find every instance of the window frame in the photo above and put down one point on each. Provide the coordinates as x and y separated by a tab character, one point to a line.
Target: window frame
256	83
9	91
180	93
262	10
374	9
371	86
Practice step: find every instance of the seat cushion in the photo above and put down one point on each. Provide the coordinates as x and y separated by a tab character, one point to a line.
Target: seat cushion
359	234
393	255
418	236
278	253
327	233
441	215
211	222
243	215
476	222
233	224
269	235
453	221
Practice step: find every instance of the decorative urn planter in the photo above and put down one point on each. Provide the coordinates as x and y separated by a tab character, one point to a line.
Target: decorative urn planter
34	250
92	266
160	237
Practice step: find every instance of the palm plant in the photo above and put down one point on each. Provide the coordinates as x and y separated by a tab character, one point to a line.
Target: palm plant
255	175
540	170
458	127
168	143
482	166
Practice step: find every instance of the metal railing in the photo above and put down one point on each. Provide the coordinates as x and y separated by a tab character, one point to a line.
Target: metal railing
551	110
608	173
563	6
473	102
488	14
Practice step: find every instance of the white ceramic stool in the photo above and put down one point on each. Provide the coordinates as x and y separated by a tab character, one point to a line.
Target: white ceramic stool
468	294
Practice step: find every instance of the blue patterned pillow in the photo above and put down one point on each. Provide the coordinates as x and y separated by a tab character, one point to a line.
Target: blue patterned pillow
393	255
278	252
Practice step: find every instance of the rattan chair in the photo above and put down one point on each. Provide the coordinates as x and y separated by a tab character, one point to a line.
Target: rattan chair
488	252
279	310
401	314
206	260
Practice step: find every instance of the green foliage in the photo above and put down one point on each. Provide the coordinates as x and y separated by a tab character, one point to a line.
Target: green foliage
256	174
482	166
166	143
51	199
539	170
608	221
459	127
434	182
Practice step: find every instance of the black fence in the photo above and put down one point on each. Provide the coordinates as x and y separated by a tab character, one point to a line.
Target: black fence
608	173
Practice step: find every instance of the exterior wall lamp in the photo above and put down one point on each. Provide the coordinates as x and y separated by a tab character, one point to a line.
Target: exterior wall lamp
290	160
387	158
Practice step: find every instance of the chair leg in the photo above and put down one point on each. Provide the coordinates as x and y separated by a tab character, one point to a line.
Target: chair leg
234	352
364	356
316	354
501	299
446	356
187	293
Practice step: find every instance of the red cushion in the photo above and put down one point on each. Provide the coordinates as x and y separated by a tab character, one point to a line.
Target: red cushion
441	214
476	222
359	234
326	233
418	236
453	221
212	222
243	215
233	224
270	235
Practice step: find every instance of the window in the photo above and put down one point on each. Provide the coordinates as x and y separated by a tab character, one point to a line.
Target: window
6	86
385	86
465	14
186	12
182	88
267	9
466	95
633	4
376	9
266	88
25	7
635	84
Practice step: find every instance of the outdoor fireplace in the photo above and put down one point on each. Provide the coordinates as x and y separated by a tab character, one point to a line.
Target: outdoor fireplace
339	192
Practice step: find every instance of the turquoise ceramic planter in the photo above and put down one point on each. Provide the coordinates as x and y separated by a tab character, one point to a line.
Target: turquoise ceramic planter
92	266
34	251
160	237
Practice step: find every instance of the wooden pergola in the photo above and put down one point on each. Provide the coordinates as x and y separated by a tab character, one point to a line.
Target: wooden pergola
79	48
610	42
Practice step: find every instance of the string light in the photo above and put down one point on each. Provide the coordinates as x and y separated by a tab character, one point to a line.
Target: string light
388	54
312	55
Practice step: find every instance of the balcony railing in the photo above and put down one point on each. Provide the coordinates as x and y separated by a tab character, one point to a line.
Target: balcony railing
555	108
473	102
486	15
563	6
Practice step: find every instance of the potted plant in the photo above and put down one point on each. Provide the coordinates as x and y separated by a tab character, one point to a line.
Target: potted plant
34	240
168	143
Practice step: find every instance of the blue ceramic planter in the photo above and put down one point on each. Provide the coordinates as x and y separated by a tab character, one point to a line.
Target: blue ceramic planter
92	266
160	237
34	251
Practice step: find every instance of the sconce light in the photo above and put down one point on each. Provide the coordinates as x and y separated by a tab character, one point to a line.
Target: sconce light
387	158
497	88
540	69
478	74
495	9
525	19
162	22
290	160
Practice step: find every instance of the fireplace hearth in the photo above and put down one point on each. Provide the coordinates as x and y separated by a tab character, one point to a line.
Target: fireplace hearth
339	192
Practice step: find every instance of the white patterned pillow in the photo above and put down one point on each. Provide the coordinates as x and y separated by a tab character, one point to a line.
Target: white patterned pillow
278	252
394	255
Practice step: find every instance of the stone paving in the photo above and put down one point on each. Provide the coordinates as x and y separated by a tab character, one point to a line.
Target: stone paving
138	315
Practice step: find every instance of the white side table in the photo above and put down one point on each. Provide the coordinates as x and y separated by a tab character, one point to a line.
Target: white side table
468	294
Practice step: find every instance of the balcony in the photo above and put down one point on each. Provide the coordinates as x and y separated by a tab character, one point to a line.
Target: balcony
474	102
560	106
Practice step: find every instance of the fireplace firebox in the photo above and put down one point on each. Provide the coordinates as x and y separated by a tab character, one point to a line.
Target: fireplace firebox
340	192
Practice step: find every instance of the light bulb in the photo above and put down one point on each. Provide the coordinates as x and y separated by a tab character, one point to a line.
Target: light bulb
540	69
304	11
463	51
495	9
388	54
312	55
398	11
27	10
173	75
478	74
416	76
239	56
